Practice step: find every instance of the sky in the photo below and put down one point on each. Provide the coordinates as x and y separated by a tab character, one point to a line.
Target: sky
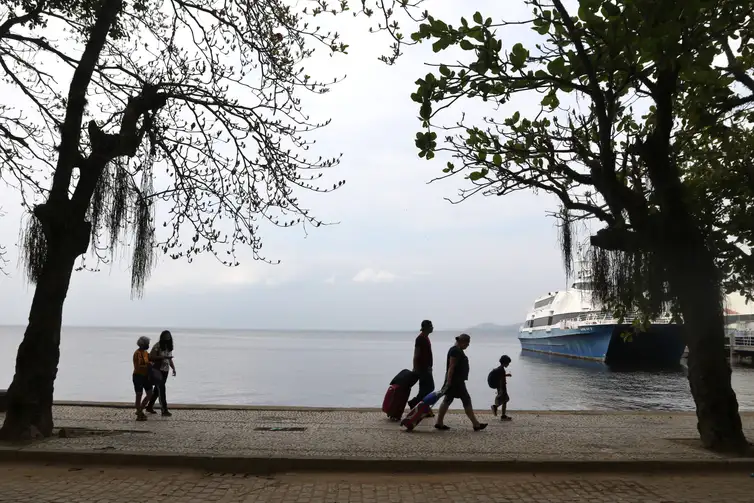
398	252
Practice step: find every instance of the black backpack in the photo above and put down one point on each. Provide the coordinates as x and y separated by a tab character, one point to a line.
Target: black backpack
493	378
405	378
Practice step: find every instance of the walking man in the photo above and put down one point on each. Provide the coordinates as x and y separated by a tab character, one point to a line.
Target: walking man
423	363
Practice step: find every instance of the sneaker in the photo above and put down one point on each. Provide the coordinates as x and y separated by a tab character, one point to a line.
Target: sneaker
140	416
442	427
150	410
166	414
505	418
494	409
480	427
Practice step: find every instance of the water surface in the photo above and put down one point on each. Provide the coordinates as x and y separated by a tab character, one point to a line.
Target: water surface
349	369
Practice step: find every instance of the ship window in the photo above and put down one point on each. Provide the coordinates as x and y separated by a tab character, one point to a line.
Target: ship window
549	320
543	302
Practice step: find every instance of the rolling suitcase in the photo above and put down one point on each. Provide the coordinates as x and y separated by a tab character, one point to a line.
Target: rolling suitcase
397	394
422	410
395	401
415	416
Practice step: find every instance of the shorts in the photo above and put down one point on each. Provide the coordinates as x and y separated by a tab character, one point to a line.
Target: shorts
459	391
501	397
141	383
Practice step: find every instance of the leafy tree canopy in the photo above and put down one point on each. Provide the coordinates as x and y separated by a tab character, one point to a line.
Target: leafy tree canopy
641	104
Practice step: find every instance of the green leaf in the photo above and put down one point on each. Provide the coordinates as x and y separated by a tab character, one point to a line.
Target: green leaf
543	29
440	44
551	100
497	160
478	19
466	45
478	175
610	10
518	56
477	34
444	71
586	12
556	67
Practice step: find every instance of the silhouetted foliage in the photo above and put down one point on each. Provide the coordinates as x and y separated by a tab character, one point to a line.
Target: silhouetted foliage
636	121
173	127
206	94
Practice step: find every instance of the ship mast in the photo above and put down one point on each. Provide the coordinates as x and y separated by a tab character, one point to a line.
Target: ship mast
582	273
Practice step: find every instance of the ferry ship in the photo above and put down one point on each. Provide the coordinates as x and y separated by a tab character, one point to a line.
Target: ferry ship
739	324
570	323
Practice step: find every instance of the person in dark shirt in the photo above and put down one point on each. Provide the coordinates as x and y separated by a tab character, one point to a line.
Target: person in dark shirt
456	375
423	363
501	394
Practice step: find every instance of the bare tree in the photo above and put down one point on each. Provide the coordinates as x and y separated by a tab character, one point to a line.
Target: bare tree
206	93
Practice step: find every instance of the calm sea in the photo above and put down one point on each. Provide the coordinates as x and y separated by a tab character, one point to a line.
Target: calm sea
349	369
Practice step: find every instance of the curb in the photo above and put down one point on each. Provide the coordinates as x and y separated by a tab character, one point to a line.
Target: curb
287	408
268	466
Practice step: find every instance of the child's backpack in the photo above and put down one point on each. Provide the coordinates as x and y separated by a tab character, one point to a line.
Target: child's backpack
493	378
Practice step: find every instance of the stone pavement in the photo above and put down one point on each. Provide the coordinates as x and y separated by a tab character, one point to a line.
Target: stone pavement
349	436
71	484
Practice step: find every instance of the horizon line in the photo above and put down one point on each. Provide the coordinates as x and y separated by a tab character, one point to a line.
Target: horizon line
156	328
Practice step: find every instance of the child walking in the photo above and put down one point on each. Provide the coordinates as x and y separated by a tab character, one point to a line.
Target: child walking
141	380
498	380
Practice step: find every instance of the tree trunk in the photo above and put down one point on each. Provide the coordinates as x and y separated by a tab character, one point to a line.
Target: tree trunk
67	236
29	412
693	276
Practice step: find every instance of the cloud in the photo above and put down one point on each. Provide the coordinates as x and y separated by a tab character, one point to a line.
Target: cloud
421	272
330	280
370	275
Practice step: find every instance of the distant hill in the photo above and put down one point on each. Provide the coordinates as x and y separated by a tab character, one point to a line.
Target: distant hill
492	327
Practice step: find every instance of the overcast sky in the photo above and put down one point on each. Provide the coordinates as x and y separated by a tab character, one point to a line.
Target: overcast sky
400	252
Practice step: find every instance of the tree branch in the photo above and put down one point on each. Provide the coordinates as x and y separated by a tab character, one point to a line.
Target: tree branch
19	20
82	76
616	239
735	68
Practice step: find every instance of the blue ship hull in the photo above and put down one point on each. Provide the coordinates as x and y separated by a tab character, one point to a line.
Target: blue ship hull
660	345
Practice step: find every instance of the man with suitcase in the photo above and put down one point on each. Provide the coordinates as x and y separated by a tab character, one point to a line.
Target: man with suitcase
423	363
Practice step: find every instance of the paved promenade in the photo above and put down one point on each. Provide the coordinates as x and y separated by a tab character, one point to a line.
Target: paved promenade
343	438
100	484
